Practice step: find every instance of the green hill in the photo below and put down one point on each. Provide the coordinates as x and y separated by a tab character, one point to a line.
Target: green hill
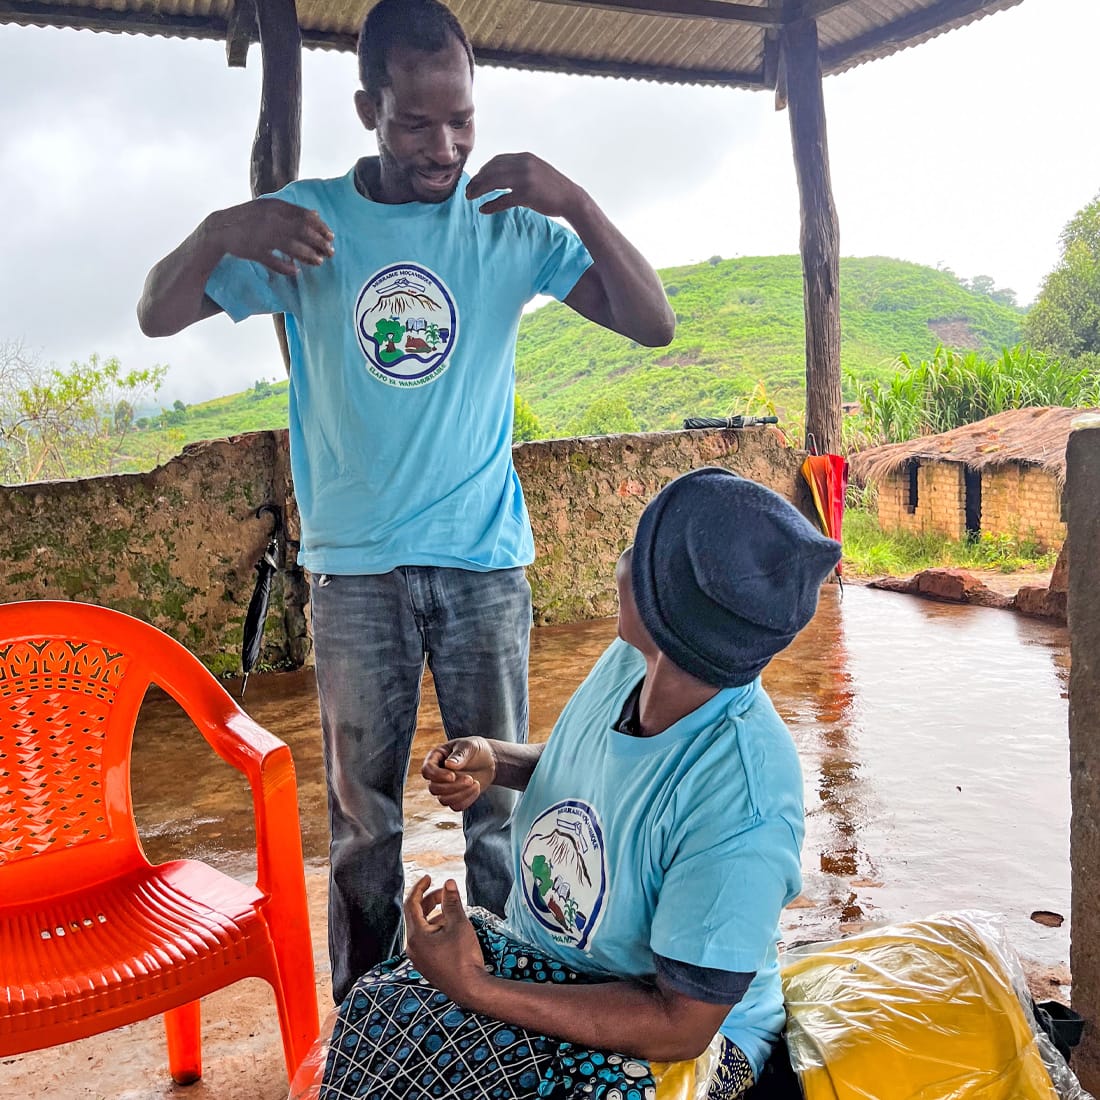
739	323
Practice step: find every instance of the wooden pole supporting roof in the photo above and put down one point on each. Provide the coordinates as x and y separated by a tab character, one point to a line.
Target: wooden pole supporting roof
277	148
820	243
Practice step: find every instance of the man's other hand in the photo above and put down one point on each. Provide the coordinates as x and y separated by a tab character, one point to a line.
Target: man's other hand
458	771
529	182
272	232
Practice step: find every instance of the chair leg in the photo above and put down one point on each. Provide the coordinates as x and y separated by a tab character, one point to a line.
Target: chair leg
184	1030
296	1000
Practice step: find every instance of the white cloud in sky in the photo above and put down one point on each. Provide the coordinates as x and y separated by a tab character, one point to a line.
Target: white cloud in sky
972	150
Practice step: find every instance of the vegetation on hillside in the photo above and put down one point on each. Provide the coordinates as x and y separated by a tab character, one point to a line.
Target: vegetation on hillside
738	349
740	322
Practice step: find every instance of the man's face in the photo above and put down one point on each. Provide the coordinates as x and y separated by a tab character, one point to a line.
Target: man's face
424	122
631	629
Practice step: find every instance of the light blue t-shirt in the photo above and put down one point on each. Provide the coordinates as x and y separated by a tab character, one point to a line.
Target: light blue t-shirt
402	374
685	845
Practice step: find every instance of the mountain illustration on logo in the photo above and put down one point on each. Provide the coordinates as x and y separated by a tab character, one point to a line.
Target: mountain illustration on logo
406	322
564	871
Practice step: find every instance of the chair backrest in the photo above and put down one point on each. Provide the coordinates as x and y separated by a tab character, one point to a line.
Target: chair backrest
72	679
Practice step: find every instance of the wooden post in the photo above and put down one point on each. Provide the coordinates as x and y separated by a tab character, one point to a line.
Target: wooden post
820	232
278	145
1082	494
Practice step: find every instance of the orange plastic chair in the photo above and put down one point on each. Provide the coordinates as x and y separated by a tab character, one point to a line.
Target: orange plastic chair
92	936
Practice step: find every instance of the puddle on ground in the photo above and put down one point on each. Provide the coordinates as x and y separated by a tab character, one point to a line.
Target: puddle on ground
933	740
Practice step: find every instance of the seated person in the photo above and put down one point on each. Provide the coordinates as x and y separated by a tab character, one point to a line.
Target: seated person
656	841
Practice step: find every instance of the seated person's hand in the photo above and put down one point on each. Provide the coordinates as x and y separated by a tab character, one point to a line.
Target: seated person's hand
458	771
441	941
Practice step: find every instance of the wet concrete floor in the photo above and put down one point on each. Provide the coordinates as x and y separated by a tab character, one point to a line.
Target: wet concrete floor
934	745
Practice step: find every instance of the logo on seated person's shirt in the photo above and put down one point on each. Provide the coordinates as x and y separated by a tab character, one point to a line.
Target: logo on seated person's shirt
565	872
407	323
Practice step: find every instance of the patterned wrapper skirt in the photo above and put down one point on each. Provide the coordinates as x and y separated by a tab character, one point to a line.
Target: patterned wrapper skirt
396	1036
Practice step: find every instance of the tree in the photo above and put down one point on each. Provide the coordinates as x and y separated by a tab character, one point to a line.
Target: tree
525	425
58	423
605	416
1066	316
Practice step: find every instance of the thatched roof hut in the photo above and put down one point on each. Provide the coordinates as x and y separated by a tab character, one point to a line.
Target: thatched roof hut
1029	437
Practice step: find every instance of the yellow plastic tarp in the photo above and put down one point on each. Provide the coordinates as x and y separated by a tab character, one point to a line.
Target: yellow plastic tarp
921	1011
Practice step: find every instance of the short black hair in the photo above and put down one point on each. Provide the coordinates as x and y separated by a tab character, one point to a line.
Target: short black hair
415	24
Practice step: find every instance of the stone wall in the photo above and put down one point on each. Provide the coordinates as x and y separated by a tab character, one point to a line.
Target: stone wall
177	546
1019	501
585	497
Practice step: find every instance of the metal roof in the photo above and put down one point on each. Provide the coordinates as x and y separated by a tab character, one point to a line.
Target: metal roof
729	42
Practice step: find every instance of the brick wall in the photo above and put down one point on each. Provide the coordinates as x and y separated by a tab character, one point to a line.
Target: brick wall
177	546
1020	501
1023	501
940	501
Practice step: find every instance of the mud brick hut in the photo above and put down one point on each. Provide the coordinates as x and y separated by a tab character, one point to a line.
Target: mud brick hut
1002	476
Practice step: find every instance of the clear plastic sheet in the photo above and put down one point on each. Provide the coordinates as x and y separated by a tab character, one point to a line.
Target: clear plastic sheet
307	1081
937	1009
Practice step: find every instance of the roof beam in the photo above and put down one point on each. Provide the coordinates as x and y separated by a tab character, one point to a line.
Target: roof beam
909	26
717	10
35	14
241	31
814	9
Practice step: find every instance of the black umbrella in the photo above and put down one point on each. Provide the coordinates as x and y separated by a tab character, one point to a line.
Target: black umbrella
256	616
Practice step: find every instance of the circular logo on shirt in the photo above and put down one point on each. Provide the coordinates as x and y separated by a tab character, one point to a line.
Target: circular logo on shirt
407	323
565	872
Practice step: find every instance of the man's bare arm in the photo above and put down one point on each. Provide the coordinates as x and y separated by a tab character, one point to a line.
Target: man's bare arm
277	234
620	291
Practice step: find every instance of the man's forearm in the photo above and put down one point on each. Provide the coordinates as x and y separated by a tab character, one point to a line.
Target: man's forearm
636	300
514	763
621	1016
175	289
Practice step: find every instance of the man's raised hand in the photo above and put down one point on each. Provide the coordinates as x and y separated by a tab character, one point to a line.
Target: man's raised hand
529	182
458	771
277	234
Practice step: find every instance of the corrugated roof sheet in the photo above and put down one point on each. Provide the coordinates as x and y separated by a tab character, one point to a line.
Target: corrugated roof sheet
572	37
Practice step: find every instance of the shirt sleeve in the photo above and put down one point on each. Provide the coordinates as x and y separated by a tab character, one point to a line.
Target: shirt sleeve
244	288
722	895
703	983
559	257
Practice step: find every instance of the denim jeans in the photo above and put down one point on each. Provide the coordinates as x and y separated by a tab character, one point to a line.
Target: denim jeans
372	635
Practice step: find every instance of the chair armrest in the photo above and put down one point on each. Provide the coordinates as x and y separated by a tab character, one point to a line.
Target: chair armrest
267	764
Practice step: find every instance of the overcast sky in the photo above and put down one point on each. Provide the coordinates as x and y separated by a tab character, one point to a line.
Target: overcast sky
971	151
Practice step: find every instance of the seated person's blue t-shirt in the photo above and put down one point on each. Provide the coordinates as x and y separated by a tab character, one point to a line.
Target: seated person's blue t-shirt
685	845
403	373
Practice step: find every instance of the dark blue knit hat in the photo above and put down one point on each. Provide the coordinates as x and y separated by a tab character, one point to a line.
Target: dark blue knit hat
725	573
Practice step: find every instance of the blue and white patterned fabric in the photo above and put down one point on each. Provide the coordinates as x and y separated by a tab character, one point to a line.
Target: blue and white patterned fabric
397	1036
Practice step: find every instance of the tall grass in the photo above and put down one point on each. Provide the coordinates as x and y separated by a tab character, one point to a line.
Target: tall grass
929	396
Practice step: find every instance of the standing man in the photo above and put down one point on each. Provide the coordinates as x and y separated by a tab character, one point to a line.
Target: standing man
402	291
